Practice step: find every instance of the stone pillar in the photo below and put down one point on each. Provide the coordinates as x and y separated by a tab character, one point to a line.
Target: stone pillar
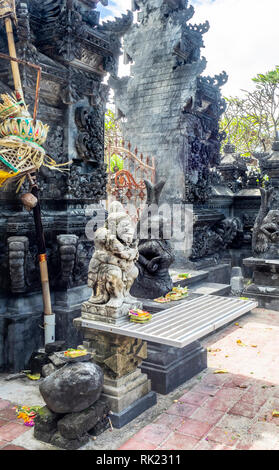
265	282
126	388
265	242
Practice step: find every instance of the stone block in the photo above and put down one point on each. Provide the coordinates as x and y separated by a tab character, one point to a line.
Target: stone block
68	444
37	362
120	396
48	369
168	367
46	420
44	436
73	388
55	347
75	425
134	410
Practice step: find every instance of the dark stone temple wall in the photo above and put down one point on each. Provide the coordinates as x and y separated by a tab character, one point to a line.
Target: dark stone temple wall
165	102
171	111
75	52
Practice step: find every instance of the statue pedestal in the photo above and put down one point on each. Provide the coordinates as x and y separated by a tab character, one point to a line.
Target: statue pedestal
265	285
168	367
103	313
126	388
128	397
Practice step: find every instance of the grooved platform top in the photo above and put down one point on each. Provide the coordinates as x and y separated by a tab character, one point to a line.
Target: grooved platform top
182	324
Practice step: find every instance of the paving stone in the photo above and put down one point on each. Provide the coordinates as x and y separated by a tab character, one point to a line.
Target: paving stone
205	389
12	447
194	428
193	398
201	414
210	445
11	431
219	404
178	441
182	409
243	408
153	433
236	409
238	424
8	413
222	436
170	420
133	444
4	404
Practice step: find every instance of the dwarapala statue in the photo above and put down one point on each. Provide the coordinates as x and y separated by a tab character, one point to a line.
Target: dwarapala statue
265	240
155	254
112	269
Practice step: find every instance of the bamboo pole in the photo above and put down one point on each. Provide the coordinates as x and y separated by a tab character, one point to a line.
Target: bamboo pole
49	317
12	52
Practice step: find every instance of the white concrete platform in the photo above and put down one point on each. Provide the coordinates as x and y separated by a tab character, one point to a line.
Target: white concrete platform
180	325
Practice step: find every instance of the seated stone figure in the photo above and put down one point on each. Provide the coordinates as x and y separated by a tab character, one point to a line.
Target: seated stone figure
112	269
266	228
155	254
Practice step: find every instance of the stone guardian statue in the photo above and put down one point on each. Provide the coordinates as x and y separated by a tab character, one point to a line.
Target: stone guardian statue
112	270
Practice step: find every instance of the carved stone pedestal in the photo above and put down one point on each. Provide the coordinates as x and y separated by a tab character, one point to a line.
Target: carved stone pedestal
106	314
169	367
126	388
265	285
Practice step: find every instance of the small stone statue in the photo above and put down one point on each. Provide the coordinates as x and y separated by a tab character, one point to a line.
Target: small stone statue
112	269
266	228
155	255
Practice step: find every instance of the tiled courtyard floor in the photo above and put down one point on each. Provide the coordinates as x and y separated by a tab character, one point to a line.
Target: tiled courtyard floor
213	411
230	410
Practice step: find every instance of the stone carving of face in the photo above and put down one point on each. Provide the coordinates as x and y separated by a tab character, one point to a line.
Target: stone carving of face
125	231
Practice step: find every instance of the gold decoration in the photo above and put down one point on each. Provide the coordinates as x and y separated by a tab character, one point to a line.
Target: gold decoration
7	8
20	142
11	107
24	128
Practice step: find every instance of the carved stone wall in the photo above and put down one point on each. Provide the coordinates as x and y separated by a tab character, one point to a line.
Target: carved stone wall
170	111
75	52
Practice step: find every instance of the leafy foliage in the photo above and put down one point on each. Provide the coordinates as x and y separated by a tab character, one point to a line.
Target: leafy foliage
112	133
252	122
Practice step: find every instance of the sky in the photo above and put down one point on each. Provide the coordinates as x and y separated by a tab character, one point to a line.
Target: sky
243	38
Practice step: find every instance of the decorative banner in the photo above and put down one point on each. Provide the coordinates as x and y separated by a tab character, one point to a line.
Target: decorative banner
7	8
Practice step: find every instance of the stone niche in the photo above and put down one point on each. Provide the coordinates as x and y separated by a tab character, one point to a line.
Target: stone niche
264	264
75	53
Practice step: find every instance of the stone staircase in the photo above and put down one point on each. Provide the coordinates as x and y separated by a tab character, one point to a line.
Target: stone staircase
204	282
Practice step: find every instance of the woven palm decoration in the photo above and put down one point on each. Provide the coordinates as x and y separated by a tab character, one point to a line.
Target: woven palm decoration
7	8
21	140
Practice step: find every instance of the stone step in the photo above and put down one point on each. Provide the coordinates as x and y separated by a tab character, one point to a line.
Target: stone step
196	277
210	288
